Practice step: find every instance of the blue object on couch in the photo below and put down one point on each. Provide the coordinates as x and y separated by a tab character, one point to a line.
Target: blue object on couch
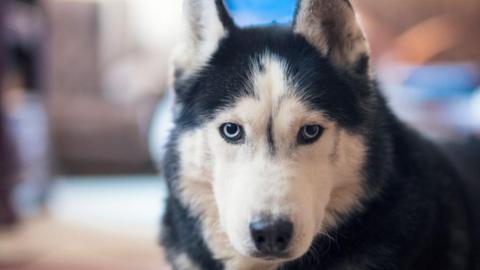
447	81
261	12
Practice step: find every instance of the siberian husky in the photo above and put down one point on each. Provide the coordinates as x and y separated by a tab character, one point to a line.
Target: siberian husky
285	155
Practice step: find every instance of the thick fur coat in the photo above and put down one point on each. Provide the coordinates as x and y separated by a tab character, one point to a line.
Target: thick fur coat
288	123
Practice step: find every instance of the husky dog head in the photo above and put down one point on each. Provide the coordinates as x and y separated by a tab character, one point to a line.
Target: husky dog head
270	126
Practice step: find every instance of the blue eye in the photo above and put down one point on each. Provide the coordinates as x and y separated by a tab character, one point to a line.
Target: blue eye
309	134
232	133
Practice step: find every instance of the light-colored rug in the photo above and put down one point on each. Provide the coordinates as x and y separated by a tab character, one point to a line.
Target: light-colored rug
91	224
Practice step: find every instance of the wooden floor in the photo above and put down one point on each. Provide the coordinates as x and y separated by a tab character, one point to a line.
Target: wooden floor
48	244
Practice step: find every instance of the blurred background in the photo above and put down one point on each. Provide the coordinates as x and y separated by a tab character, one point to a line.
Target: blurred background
85	110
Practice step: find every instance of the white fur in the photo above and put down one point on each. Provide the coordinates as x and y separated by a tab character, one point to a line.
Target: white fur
228	185
202	32
183	262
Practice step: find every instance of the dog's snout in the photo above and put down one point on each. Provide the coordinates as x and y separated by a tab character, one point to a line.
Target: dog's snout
271	236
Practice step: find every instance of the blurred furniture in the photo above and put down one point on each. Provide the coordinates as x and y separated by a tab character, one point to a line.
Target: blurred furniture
24	142
7	174
7	157
423	31
102	87
427	59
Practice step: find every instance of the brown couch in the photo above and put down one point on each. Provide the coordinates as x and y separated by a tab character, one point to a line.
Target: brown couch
91	132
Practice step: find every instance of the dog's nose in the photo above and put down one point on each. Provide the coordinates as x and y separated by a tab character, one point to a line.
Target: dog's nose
271	237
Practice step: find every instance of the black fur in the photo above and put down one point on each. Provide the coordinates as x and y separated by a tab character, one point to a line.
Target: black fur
270	138
416	216
225	18
224	79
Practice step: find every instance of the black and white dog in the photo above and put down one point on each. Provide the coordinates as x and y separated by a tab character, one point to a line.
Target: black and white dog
284	155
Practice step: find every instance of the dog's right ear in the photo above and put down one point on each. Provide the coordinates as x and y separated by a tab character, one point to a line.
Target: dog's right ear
206	23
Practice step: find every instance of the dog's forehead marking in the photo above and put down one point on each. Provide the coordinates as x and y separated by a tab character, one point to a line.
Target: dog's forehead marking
269	78
270	137
271	87
275	112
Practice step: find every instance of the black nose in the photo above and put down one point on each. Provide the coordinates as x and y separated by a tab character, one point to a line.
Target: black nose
271	237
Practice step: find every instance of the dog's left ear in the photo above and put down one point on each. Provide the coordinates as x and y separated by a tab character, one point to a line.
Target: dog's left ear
206	23
331	26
